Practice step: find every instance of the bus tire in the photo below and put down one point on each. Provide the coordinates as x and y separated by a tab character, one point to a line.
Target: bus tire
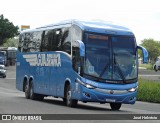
68	100
27	90
115	106
33	96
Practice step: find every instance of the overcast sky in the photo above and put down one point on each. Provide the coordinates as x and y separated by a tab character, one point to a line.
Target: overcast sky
141	16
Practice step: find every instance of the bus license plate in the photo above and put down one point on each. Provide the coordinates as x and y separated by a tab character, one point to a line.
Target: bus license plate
110	100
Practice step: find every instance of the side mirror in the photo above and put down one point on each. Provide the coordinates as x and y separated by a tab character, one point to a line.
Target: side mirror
82	48
144	53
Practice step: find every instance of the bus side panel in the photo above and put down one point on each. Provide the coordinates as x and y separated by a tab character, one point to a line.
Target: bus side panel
47	79
41	79
52	81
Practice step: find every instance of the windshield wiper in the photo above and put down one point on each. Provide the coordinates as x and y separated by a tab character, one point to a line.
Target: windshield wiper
95	78
119	69
105	68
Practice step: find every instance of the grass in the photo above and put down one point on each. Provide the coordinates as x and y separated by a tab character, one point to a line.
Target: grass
148	91
147	66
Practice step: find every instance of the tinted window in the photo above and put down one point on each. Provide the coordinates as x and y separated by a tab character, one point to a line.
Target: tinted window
76	35
37	40
52	40
127	43
30	41
66	40
26	42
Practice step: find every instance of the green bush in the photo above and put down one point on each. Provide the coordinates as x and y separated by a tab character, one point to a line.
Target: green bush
147	66
148	91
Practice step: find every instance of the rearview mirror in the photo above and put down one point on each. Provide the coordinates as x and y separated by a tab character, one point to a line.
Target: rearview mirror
144	53
82	48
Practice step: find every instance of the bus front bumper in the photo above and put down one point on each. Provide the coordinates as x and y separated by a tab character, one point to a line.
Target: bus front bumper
105	96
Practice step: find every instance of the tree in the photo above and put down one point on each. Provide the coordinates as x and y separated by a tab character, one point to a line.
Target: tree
153	48
7	30
12	42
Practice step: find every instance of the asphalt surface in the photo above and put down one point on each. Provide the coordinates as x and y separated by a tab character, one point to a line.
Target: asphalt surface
149	75
13	101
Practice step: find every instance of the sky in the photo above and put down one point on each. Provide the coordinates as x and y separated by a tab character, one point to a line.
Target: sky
141	16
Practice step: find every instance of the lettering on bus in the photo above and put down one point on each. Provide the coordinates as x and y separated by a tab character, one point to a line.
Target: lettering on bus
43	59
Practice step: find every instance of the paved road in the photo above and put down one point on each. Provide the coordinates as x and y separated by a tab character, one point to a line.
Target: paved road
13	101
149	74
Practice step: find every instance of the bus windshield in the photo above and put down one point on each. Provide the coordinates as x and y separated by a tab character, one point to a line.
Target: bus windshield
110	58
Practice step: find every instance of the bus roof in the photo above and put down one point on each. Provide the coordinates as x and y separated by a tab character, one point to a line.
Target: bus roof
97	26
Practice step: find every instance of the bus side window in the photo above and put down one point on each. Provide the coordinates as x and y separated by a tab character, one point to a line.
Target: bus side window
38	39
26	42
21	39
45	43
76	35
56	44
76	58
31	42
51	40
66	40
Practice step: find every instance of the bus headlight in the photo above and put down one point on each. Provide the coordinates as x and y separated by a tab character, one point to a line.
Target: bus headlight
84	84
133	89
89	86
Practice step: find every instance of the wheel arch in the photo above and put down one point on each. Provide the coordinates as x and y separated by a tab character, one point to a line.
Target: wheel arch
67	83
31	79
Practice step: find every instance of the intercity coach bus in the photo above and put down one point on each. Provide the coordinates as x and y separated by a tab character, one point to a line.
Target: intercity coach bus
88	61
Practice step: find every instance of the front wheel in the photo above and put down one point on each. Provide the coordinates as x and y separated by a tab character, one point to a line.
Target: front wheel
68	100
115	106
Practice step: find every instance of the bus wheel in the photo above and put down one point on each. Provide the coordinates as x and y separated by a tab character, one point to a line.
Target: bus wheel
27	90
68	100
115	106
33	96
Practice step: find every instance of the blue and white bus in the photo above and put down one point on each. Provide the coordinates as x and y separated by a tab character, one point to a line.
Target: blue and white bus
79	61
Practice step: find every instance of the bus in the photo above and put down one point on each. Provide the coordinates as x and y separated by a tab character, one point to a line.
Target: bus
3	58
10	55
87	61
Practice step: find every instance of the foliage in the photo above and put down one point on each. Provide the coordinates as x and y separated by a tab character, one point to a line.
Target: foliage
7	30
147	66
12	42
148	91
153	48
